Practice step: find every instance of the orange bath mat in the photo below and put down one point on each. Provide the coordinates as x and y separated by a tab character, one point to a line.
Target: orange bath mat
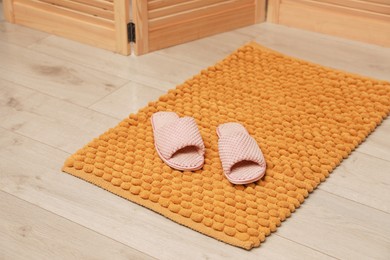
306	118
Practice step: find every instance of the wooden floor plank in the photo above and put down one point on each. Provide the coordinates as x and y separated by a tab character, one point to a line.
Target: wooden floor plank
62	79
198	52
378	143
153	70
48	119
29	232
19	35
128	99
362	178
339	227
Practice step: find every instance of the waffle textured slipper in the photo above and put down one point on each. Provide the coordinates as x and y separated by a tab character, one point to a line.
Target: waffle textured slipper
178	141
242	160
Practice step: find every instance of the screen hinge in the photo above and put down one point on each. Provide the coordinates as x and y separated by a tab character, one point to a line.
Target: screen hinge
131	32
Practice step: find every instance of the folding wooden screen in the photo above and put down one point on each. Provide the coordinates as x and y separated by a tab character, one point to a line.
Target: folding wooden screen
363	20
157	23
163	23
101	23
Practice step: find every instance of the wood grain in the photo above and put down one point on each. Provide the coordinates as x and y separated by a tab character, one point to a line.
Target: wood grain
77	26
108	5
261	7
220	45
330	51
121	18
41	234
354	178
83	8
378	144
341	228
141	19
203	12
357	20
156	4
65	80
7	10
128	99
383	8
98	23
18	35
273	11
162	72
180	7
161	36
172	22
22	110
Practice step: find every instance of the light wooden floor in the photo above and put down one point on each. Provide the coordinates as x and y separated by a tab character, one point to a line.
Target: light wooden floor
56	95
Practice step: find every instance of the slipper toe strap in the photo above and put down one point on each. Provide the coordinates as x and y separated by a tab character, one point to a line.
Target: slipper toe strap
178	134
236	148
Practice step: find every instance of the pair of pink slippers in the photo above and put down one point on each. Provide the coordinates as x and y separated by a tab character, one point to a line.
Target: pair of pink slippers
179	144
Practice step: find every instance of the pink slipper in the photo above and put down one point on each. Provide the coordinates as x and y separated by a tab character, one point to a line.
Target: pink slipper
178	141
242	160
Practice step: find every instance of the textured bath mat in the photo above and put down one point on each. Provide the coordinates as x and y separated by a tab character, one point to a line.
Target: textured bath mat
305	117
